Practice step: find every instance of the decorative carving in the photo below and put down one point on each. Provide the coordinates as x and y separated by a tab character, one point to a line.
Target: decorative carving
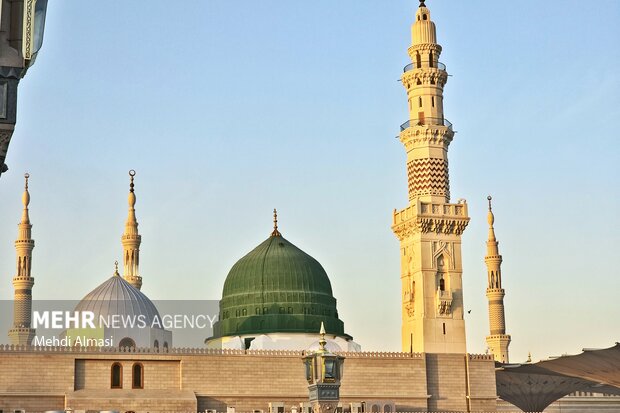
428	176
28	29
424	76
444	303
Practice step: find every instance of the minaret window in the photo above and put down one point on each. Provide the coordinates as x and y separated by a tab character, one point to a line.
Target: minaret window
431	60
442	284
420	102
424	17
433	100
418	60
116	379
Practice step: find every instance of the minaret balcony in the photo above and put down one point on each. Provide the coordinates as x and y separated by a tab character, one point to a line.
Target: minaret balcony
428	217
424	65
426	122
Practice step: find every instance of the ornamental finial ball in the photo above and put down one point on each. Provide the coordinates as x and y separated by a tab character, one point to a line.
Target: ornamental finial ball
422	3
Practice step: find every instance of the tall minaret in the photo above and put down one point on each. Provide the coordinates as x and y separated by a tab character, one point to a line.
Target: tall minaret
131	241
498	341
21	333
430	228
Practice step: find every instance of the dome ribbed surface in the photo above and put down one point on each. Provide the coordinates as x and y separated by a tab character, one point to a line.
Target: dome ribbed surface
277	288
117	297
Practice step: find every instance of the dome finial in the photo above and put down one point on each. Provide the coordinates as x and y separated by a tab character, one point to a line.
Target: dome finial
275	232
422	3
116	274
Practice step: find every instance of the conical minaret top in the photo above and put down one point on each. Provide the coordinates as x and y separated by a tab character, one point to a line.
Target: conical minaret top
131	240
498	341
21	333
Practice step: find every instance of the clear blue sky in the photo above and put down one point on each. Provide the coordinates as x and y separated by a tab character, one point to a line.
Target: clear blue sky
228	109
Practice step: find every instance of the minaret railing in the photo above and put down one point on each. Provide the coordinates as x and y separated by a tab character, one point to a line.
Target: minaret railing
427	121
414	66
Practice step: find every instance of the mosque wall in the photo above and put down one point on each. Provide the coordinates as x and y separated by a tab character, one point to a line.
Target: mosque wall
201	379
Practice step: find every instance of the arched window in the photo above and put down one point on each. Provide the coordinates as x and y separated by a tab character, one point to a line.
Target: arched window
375	408
431	60
387	408
137	376
424	17
418	60
116	376
165	346
156	345
127	342
442	284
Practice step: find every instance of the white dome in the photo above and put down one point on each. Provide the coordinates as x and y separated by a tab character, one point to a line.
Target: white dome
117	297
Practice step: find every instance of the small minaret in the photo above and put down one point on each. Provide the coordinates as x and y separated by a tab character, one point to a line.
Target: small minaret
498	341
131	241
21	333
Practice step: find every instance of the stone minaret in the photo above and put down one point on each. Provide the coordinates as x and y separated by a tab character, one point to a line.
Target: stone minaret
498	341
21	333
430	228
131	241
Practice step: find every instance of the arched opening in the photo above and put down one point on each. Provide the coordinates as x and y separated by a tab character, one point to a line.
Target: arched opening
418	60
387	409
137	376
127	342
431	59
116	376
166	346
442	284
375	408
156	345
420	102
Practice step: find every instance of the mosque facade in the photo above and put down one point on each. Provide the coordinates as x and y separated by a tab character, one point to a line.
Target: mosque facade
273	302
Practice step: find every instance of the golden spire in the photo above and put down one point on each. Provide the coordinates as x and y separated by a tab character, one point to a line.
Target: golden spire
116	274
322	341
275	232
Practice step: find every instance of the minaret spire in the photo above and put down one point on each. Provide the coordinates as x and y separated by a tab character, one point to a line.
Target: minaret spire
131	240
21	333
498	341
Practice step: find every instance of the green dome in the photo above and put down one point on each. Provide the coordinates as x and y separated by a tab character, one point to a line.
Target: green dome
277	288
